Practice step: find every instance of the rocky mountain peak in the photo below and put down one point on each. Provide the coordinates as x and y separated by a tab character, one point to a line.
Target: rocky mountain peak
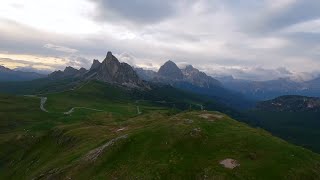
109	55
112	71
189	68
95	64
198	78
70	70
170	70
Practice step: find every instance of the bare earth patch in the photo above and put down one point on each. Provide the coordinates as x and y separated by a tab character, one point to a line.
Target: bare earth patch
211	117
95	153
195	132
229	163
121	129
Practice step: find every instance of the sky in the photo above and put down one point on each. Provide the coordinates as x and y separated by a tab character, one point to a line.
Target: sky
248	39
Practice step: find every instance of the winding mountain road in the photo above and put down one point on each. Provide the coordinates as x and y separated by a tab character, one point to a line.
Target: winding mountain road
43	101
72	110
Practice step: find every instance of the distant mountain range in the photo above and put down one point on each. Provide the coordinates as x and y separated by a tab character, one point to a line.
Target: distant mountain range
264	90
290	104
7	74
233	92
193	80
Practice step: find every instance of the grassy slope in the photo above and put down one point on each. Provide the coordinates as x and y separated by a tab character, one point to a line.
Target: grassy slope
159	144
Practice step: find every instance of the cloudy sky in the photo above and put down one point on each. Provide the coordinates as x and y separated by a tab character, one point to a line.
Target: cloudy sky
250	39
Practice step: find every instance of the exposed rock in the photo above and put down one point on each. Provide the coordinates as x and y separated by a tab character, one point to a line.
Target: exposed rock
96	64
95	153
211	117
195	132
229	163
112	71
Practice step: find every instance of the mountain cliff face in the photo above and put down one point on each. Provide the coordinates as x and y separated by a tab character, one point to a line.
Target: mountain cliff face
291	104
109	71
112	71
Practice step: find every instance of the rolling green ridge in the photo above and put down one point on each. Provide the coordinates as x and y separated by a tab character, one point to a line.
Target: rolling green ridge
167	140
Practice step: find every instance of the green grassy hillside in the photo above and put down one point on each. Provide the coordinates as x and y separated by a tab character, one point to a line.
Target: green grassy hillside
161	142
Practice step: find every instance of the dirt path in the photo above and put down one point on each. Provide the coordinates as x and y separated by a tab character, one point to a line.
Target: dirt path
95	153
72	110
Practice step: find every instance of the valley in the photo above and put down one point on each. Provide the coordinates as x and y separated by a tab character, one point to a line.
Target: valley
119	143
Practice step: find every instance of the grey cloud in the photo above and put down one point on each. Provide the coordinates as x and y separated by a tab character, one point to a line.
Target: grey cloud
137	11
77	61
252	73
32	69
60	48
297	12
164	30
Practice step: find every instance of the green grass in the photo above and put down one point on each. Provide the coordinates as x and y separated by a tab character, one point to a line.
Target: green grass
161	143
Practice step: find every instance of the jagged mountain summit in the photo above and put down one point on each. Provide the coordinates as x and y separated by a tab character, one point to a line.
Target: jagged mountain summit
170	73
110	70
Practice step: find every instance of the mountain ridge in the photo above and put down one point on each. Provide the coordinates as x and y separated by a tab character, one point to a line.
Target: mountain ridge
110	70
7	74
291	103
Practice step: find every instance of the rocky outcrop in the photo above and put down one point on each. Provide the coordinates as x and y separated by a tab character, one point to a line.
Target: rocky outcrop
110	71
96	64
114	72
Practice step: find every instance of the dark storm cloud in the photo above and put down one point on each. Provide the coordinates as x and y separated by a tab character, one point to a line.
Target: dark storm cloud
134	11
296	12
